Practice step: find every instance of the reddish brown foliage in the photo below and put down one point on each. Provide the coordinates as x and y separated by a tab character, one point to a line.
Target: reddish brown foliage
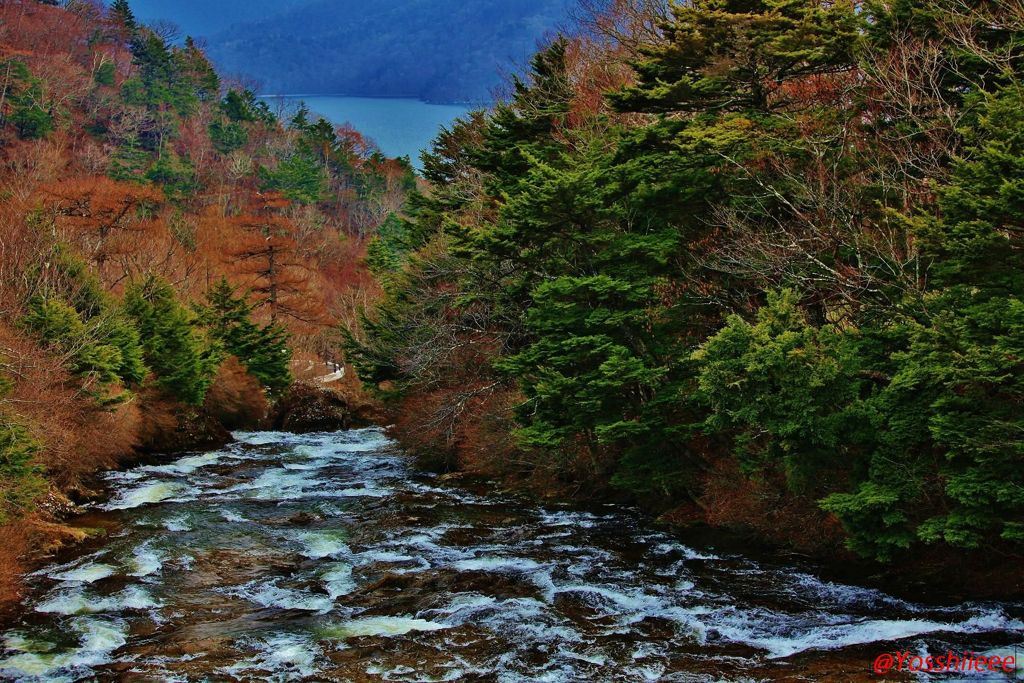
105	219
266	253
462	427
236	398
79	437
55	197
159	422
764	505
14	545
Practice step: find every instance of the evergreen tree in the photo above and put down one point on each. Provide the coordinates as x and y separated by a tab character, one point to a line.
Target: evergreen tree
390	247
778	259
122	15
729	55
21	478
960	385
105	349
76	317
262	350
176	175
199	70
31	117
298	177
228	136
183	360
244	107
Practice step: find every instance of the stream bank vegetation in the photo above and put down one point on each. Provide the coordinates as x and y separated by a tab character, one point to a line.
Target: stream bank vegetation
757	263
173	254
753	263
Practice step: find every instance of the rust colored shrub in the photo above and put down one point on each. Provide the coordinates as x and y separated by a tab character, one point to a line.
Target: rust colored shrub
105	437
459	427
14	546
78	437
418	424
484	442
236	398
763	505
159	422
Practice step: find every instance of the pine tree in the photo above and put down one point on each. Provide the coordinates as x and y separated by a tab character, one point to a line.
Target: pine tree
972	353
198	68
183	360
957	388
123	17
228	136
735	55
390	246
262	350
299	177
21	477
103	349
31	117
243	106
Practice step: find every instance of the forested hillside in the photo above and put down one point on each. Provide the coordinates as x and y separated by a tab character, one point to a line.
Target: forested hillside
193	17
754	264
172	252
758	263
389	49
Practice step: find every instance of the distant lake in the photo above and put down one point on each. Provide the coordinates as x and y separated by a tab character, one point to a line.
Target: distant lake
400	127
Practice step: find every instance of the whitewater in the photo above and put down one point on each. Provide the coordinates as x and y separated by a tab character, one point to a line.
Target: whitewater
330	557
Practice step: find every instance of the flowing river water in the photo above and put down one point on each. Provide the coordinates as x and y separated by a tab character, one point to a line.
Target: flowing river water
327	557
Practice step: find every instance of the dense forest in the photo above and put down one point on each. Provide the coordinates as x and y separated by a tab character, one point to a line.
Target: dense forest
757	263
173	254
753	264
194	18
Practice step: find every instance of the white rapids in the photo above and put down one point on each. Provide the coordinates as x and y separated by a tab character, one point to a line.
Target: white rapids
327	557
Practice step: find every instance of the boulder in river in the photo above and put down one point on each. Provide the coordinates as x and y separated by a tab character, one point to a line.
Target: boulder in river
315	408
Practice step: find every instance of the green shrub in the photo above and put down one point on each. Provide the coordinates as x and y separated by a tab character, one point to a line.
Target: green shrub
21	479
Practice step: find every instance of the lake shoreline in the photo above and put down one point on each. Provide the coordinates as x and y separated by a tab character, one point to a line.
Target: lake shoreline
398	126
472	104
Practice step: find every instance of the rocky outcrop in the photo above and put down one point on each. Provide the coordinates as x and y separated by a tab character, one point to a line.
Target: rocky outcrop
317	408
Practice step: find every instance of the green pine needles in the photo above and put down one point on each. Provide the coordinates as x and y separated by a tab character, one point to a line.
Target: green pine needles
759	249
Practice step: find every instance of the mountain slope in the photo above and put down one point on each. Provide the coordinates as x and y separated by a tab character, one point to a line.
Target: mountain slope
195	18
389	49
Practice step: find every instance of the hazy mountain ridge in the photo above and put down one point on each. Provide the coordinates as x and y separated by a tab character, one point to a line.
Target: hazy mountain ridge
195	17
384	49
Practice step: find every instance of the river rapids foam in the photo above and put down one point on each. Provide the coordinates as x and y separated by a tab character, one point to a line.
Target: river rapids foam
327	557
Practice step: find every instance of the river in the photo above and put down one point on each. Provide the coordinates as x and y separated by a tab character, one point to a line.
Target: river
327	557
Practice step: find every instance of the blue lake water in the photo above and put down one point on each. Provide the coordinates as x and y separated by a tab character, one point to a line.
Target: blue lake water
400	127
